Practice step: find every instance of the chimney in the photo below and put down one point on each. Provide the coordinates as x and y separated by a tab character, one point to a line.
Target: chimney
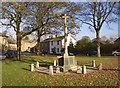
56	36
50	36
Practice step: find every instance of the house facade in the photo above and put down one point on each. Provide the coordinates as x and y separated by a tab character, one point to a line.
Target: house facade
26	45
11	44
3	41
55	45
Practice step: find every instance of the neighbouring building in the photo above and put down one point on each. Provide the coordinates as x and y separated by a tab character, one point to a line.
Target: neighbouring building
3	41
55	45
12	44
8	43
117	42
26	45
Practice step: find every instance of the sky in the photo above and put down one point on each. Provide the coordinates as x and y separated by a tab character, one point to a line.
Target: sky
85	31
105	31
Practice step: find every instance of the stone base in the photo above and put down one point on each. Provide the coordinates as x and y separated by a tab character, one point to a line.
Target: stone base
73	70
67	62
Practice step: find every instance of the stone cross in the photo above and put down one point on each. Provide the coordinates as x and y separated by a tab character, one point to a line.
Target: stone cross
65	34
65	23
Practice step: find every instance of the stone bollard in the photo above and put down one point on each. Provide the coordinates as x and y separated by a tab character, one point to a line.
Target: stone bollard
79	69
32	67
55	63
93	63
57	70
100	66
37	64
84	70
51	70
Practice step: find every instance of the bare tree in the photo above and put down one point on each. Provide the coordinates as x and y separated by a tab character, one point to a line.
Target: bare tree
95	14
14	15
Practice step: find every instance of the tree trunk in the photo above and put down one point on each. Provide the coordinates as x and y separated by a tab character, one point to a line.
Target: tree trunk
38	43
18	46
19	49
98	43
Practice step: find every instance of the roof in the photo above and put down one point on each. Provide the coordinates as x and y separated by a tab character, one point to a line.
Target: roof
11	41
3	35
117	40
53	39
29	41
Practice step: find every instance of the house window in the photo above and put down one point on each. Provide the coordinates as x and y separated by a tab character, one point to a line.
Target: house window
51	42
57	42
57	49
54	50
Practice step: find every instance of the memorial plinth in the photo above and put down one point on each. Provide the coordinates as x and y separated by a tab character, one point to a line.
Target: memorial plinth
66	62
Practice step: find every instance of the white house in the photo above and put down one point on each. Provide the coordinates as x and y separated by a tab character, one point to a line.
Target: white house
55	45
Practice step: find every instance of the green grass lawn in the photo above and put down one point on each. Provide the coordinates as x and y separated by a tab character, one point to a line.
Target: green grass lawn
17	73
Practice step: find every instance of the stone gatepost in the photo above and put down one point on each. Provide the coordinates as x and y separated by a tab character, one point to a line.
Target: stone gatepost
51	70
55	63
32	67
37	64
100	66
93	63
84	70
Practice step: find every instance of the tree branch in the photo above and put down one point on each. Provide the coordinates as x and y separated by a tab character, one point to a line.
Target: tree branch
85	22
27	33
107	15
94	8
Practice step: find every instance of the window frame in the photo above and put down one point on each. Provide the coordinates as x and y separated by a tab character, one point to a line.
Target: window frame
52	43
58	50
58	42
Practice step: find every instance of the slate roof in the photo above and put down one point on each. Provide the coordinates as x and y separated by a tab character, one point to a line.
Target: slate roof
53	39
